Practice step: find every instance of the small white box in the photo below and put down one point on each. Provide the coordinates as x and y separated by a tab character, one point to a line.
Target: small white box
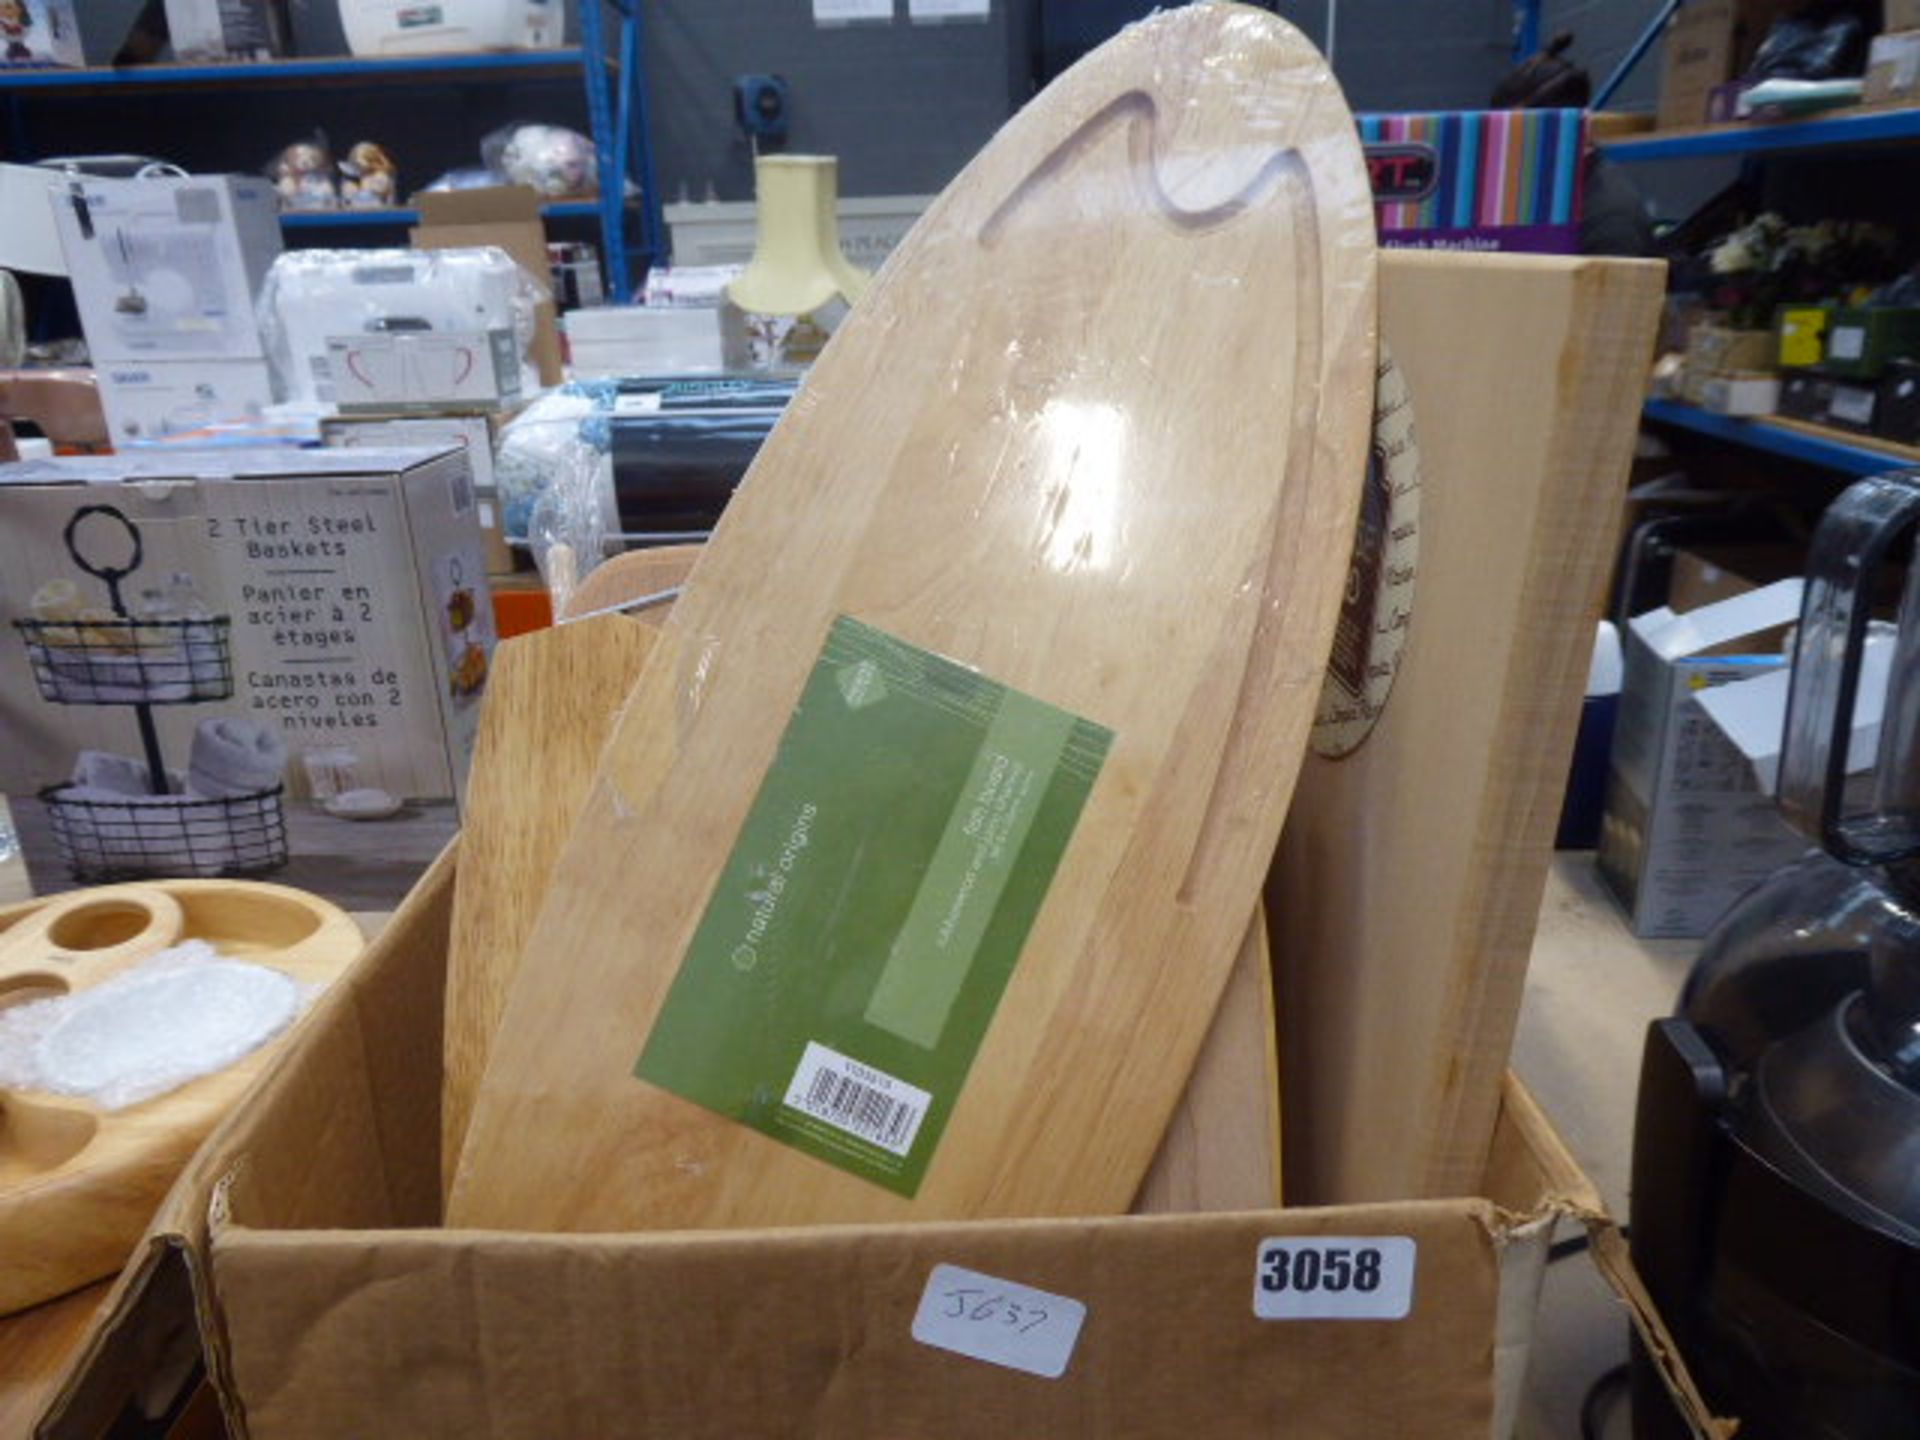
721	232
1739	393
1893	68
40	34
167	268
1753	713
381	329
643	340
221	30
477	434
432	370
152	400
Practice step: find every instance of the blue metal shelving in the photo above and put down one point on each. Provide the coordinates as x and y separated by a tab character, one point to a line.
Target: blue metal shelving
612	75
269	73
1865	127
361	219
1811	445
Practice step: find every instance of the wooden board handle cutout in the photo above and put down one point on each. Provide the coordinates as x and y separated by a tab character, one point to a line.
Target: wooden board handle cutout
81	939
1041	564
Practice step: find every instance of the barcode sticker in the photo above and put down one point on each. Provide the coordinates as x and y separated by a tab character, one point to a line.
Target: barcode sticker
857	1099
1848	342
1334	1277
460	485
998	1321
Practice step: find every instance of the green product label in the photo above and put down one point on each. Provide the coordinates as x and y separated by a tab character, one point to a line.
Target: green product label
874	906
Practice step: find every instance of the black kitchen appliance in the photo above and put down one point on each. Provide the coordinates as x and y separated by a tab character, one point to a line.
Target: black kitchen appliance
1776	1171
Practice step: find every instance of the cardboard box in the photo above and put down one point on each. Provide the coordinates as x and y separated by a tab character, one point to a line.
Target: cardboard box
1738	392
1708	43
1477	180
1805	396
1753	713
148	400
1893	67
354	581
40	34
1853	406
218	30
478	435
472	370
300	1251
1712	347
1687	829
1897	416
167	268
1802	334
643	340
507	216
1862	340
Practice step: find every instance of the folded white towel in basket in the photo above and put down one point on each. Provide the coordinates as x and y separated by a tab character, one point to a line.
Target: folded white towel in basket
113	774
235	757
108	829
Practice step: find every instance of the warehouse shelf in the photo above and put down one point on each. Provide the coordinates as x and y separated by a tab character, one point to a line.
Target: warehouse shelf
351	219
1851	127
506	64
609	64
1835	450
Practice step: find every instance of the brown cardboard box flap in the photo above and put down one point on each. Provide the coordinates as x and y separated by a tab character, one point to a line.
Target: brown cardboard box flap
487	205
301	1241
507	216
793	1333
163	1310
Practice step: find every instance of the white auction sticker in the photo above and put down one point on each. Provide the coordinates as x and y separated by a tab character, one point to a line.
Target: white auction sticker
998	1321
1334	1277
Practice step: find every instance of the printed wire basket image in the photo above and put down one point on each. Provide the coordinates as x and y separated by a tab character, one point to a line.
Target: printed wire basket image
154	826
130	662
106	839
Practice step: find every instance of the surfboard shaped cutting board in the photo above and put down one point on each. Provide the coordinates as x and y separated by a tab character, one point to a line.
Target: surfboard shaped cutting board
550	701
921	851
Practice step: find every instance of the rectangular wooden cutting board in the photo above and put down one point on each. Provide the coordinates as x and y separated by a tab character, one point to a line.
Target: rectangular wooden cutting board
921	852
1407	886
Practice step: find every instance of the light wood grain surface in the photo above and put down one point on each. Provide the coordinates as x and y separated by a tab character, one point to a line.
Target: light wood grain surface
1405	892
631	576
550	702
1222	1146
552	699
1097	431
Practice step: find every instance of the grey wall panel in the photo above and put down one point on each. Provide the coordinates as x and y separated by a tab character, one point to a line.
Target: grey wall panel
904	106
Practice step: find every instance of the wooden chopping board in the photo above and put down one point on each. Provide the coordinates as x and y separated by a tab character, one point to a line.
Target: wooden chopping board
1222	1147
1096	436
550	701
632	576
1221	1151
1407	887
78	1182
